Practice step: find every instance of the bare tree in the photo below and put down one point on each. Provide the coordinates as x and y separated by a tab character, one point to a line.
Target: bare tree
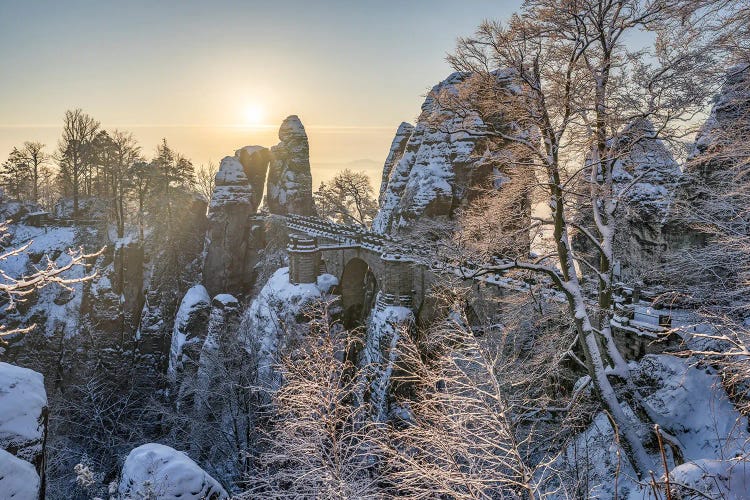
577	88
205	180
125	153
36	159
347	199
319	446
15	289
75	151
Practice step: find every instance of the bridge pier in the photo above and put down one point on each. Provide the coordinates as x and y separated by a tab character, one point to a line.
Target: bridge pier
304	259
396	283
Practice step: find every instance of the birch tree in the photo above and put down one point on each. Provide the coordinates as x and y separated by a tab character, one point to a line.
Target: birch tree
579	87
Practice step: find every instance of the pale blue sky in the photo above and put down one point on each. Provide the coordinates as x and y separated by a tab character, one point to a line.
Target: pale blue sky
147	64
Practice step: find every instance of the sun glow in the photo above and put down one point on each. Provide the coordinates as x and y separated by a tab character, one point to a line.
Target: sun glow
253	114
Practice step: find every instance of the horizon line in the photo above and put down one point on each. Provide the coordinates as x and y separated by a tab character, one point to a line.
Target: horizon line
235	126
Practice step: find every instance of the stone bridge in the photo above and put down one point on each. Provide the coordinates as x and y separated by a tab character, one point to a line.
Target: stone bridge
366	263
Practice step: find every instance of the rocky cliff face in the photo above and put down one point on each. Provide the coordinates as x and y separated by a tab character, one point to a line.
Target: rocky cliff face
727	124
276	316
254	161
187	337
395	153
645	175
289	189
442	163
228	228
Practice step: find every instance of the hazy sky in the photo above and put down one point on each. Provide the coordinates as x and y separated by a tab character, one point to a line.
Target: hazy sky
205	74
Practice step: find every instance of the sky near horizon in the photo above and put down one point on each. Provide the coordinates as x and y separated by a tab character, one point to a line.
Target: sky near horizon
214	76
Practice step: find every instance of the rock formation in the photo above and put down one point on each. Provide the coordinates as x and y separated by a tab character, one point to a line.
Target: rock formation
379	355
23	421
398	146
18	479
188	336
127	282
157	471
217	356
441	164
645	175
289	188
279	303
254	161
727	124
228	228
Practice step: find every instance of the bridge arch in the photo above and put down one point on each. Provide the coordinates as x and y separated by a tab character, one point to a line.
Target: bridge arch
358	287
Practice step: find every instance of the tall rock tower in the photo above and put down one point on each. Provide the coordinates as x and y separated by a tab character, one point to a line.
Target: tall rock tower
289	188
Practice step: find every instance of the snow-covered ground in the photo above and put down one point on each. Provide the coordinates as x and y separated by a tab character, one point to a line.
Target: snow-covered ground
60	307
18	478
695	415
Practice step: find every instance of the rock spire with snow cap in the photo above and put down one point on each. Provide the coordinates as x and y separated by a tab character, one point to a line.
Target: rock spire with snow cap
228	228
289	186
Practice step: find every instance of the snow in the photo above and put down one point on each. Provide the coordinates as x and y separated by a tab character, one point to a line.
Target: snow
647	174
326	282
18	478
274	313
23	401
230	172
423	180
195	298
687	403
691	405
594	457
379	354
726	479
232	185
157	471
49	243
396	151
226	299
291	126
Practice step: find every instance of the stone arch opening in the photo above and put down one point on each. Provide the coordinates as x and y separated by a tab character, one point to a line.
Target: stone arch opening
358	290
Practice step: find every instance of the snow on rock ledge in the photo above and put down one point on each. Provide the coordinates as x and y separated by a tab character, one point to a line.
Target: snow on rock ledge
691	405
23	413
18	479
189	328
275	313
436	166
232	185
157	471
398	146
379	355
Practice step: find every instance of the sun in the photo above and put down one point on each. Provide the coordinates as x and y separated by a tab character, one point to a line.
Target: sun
253	114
